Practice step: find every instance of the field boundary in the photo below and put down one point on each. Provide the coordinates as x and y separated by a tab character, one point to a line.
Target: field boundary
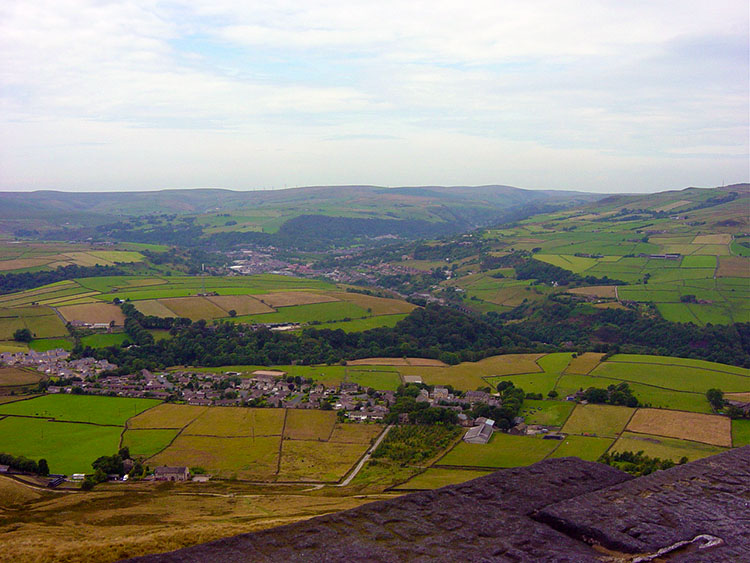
281	444
179	433
671	365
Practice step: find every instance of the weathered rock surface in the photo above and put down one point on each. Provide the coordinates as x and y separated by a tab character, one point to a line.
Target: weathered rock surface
707	497
483	520
554	510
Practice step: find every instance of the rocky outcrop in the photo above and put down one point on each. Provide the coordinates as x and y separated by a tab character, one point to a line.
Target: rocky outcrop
694	512
561	510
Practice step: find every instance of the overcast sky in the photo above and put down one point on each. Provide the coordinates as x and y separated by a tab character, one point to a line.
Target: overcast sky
592	95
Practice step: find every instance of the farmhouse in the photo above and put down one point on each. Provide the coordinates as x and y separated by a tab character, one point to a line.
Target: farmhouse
166	473
481	433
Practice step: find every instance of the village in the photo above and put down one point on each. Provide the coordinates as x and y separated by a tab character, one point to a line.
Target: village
261	388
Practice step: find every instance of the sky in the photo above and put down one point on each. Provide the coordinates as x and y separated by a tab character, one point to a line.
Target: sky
603	96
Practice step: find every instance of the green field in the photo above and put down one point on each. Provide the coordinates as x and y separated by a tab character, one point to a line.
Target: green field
740	433
146	443
104	340
380	379
68	447
680	378
531	383
597	420
316	312
503	450
46	344
80	408
546	413
688	362
584	447
368	323
664	448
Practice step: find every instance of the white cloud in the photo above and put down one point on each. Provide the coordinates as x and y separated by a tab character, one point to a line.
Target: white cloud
404	93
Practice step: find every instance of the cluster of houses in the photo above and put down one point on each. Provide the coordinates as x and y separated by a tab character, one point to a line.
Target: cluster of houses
55	363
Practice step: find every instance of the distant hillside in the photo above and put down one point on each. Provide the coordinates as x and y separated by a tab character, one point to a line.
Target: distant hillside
415	211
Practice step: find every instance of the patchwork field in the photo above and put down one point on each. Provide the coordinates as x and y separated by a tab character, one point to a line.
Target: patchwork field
146	443
93	313
290	298
706	428
79	408
15	377
546	413
664	448
242	304
598	420
258	444
584	447
584	363
503	450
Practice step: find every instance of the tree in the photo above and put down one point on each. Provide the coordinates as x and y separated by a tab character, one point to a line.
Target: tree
232	313
23	335
43	467
716	398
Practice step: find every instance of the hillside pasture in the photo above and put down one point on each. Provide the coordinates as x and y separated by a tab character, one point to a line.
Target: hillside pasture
104	340
740	433
93	313
17	377
225	457
114	411
242	304
733	267
677	377
468	376
237	422
584	363
503	450
418	362
146	443
598	420
347	433
291	298
377	305
368	323
317	461
664	448
152	307
45	344
587	448
45	326
706	428
67	447
194	308
303	424
602	291
316	312
713	239
531	382
673	361
545	412
378	379
166	415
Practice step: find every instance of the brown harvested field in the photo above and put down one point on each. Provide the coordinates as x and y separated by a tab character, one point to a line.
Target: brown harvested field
737	396
20	263
291	298
379	305
166	415
420	362
609	305
712	239
243	304
52	289
225	457
604	291
673	205
237	421
733	267
317	461
151	307
706	428
11	377
93	313
468	376
193	308
304	424
348	433
584	363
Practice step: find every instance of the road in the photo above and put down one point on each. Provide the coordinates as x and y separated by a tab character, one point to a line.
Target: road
364	459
